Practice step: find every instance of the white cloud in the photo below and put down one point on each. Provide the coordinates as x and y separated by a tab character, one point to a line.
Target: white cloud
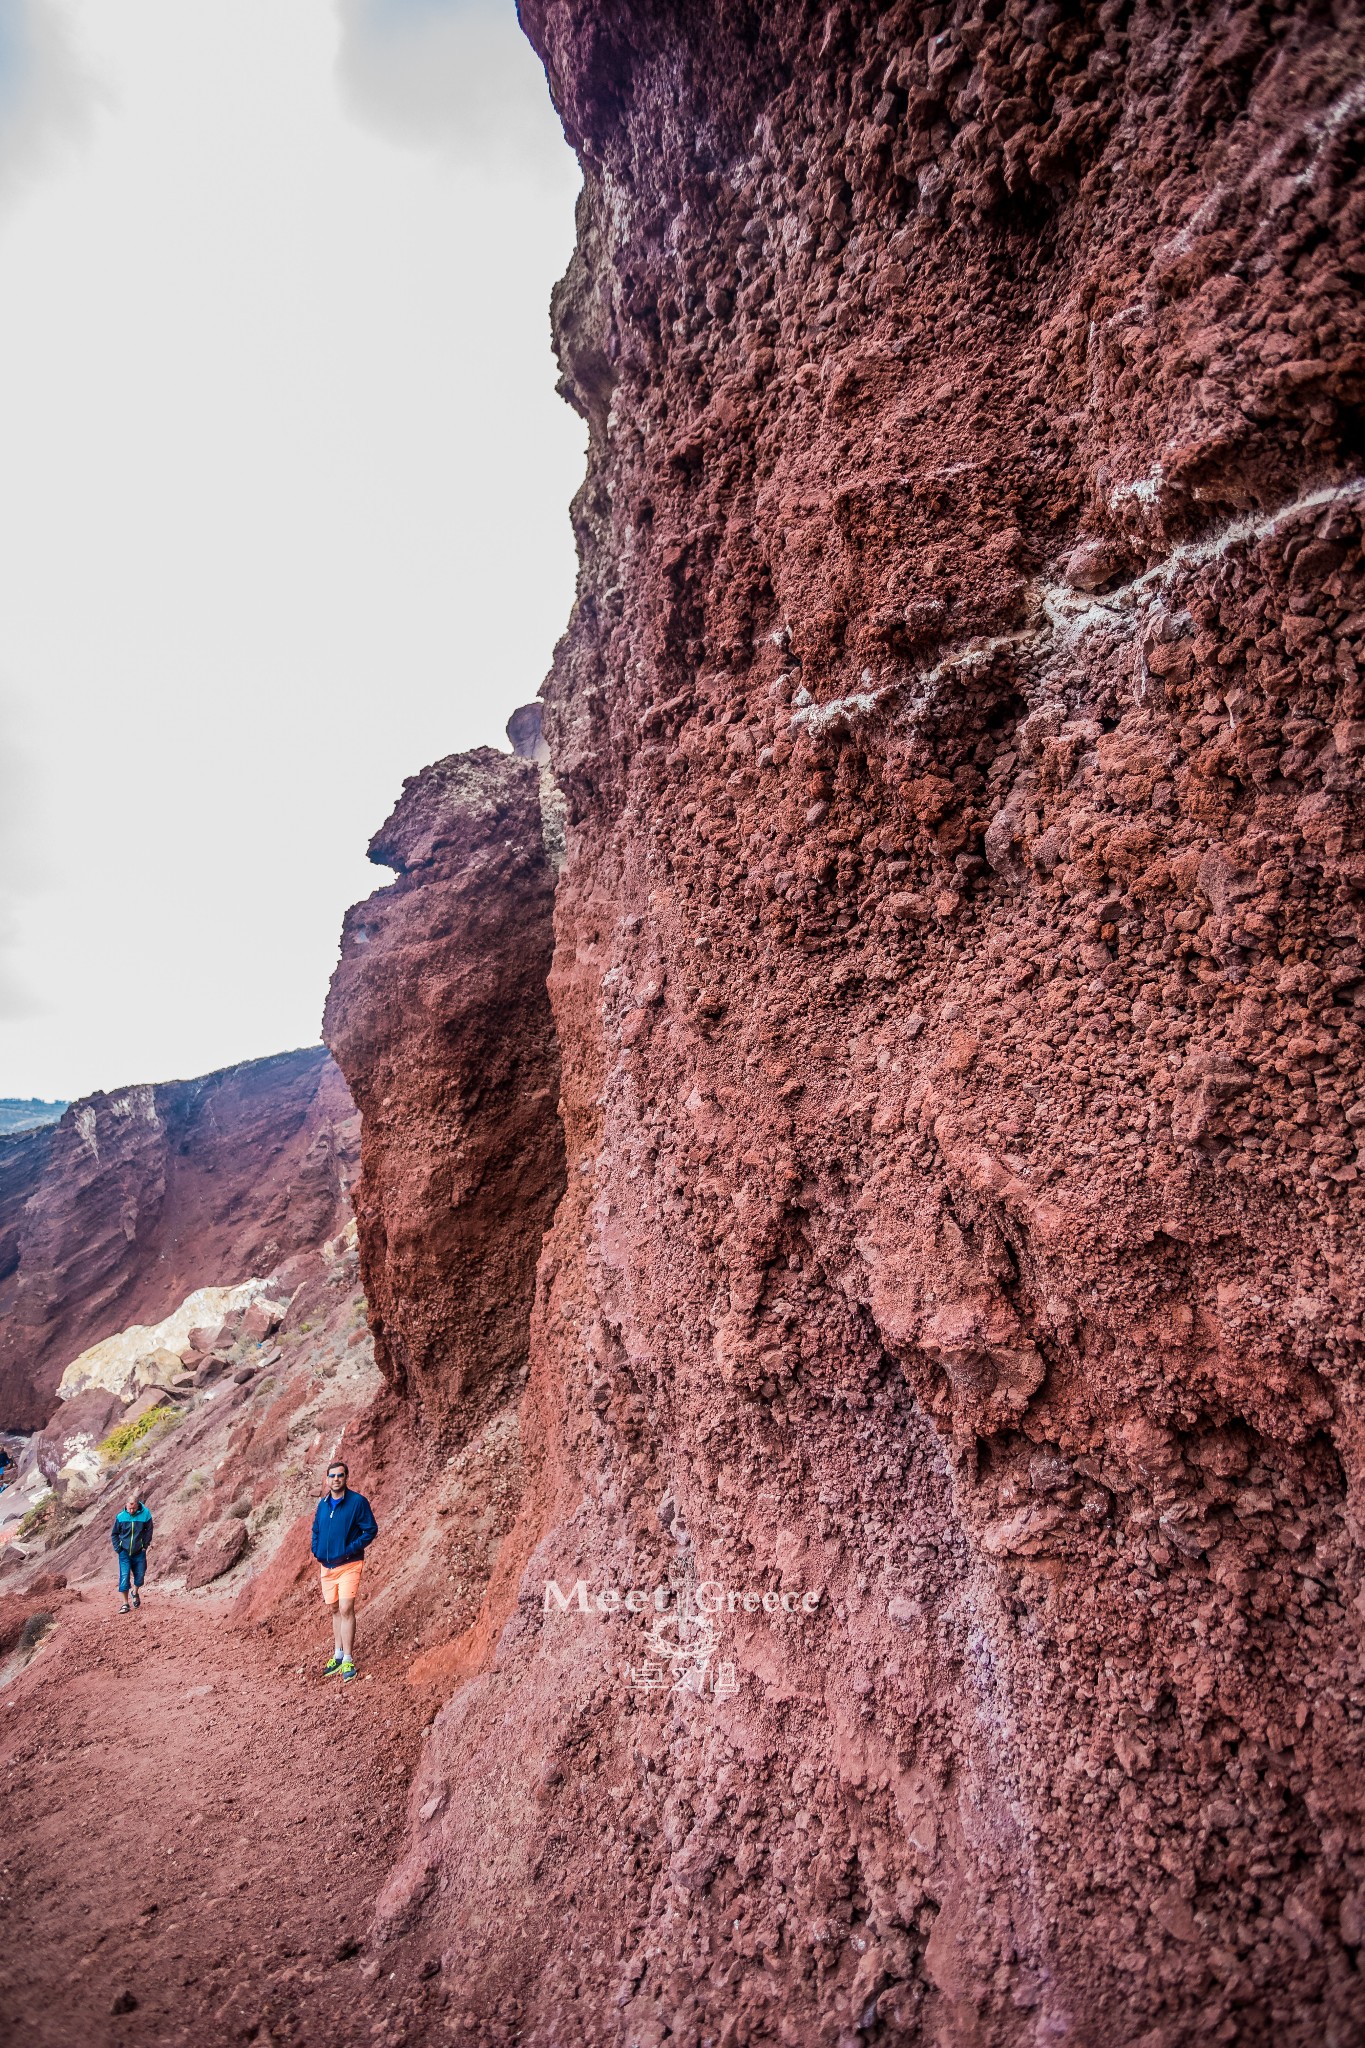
283	516
46	94
457	75
19	865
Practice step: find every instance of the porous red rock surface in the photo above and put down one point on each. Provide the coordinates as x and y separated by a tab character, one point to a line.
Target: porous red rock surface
957	967
439	1016
137	1198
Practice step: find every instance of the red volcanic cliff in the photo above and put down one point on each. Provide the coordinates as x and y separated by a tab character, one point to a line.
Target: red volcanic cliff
439	1017
135	1199
958	979
23	1159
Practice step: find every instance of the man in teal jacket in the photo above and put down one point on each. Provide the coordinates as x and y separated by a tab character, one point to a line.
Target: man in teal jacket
131	1538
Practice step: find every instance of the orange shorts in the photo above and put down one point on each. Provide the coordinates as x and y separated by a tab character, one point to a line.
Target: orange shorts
341	1581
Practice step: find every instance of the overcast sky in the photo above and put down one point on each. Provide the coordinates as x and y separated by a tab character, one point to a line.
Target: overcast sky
284	490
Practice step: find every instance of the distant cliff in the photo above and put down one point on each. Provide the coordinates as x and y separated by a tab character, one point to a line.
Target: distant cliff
27	1114
113	1215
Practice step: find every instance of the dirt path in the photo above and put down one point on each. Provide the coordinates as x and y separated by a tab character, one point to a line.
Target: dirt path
191	1822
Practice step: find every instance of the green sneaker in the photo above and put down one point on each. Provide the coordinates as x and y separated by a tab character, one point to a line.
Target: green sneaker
332	1665
347	1668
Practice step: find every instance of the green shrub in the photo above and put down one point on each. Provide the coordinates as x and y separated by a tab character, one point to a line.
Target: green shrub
129	1435
38	1516
35	1628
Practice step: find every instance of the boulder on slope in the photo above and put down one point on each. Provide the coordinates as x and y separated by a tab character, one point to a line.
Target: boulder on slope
161	1368
216	1552
261	1318
144	1353
78	1426
155	1397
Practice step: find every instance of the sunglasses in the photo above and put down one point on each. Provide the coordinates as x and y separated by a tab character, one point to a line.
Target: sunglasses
336	1475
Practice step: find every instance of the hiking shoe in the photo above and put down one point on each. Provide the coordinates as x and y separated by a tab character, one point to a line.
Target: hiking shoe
347	1668
125	1609
136	1599
332	1665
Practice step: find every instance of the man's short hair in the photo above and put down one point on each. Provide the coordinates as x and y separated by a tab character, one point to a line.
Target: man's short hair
332	1464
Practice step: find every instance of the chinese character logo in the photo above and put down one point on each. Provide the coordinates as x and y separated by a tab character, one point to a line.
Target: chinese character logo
681	1647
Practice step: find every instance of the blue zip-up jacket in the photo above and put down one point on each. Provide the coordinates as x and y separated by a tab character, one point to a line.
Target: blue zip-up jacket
132	1532
342	1528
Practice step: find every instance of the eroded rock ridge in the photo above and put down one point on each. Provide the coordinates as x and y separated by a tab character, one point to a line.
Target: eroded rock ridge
440	1019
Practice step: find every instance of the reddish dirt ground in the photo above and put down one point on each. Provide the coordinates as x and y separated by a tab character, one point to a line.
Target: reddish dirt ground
224	1820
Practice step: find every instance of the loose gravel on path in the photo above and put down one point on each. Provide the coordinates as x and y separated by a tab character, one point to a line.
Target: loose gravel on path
192	1823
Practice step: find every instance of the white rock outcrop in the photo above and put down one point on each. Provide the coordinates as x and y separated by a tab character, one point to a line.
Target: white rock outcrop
124	1363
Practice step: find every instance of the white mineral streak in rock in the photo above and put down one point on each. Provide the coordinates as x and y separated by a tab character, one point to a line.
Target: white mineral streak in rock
113	1361
1315	130
1145	489
1071	614
138	1103
924	682
1068	614
82	1470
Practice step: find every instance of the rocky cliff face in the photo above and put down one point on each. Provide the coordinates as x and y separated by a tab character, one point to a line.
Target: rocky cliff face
136	1198
955	1308
23	1158
440	1019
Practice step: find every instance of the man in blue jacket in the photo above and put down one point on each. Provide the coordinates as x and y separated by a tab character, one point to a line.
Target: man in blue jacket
342	1528
131	1537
